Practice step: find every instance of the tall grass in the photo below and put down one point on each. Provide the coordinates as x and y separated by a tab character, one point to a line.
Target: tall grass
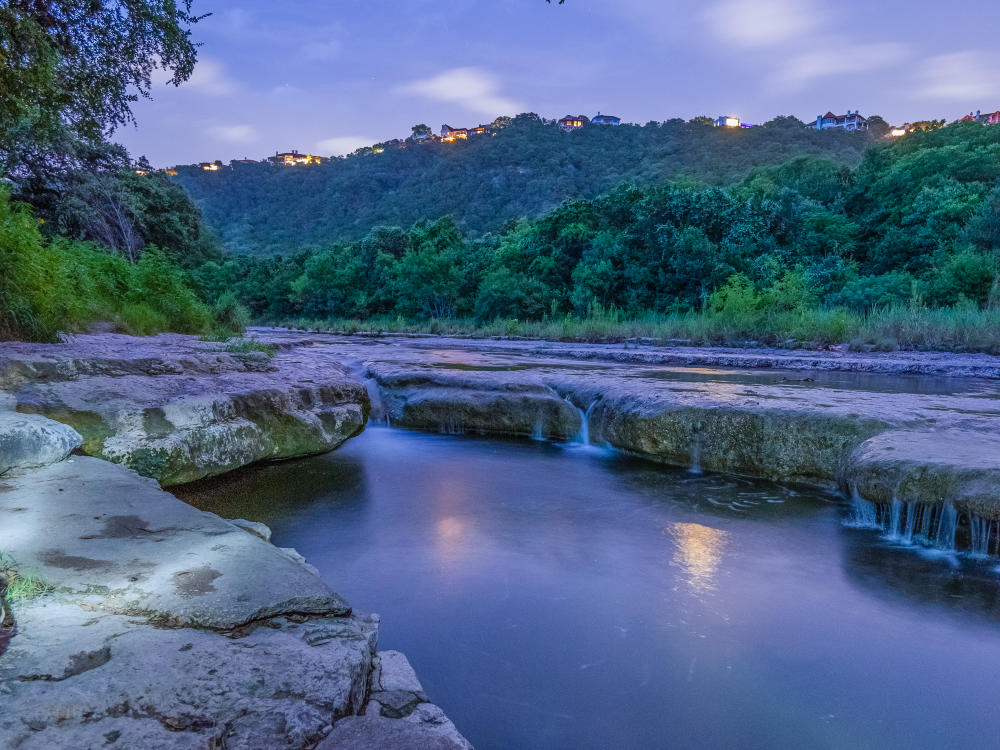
960	328
53	286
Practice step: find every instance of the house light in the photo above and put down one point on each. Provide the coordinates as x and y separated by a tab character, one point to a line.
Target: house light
897	132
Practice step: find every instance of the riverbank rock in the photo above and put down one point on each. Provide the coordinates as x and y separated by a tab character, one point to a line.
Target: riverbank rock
178	409
933	466
28	441
925	439
398	715
162	626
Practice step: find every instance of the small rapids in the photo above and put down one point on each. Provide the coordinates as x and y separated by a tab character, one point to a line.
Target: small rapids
937	526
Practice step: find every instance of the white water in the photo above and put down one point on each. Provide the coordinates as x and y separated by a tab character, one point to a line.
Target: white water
927	525
695	467
582	435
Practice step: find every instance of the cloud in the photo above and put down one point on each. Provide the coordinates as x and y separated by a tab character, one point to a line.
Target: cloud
835	57
320	51
473	88
344	144
764	23
968	76
235	133
210	78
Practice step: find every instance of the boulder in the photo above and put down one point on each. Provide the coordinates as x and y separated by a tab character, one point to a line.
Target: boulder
28	441
175	409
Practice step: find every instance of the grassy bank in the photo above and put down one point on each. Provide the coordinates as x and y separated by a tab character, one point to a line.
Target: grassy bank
57	285
962	328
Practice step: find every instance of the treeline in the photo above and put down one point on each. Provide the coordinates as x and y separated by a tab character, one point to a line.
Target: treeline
529	168
916	222
86	234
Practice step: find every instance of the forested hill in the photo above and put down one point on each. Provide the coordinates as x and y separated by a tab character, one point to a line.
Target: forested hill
525	170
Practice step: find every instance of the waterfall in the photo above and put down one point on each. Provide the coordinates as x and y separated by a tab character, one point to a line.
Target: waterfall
583	434
947	526
695	467
379	412
895	526
864	515
941	526
981	533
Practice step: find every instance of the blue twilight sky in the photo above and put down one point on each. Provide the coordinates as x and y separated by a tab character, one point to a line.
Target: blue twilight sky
327	77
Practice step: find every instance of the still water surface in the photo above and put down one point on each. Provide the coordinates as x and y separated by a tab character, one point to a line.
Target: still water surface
557	597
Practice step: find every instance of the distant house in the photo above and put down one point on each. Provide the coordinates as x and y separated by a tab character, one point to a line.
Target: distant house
850	121
606	120
293	158
425	138
726	121
244	160
211	166
572	122
481	130
900	130
990	118
450	134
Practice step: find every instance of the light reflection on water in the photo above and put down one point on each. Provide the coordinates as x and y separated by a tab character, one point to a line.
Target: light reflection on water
698	552
551	597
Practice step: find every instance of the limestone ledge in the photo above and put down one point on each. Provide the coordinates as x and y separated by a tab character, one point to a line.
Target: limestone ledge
918	447
178	409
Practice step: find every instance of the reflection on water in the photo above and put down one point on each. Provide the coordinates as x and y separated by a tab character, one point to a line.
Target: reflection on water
558	598
698	552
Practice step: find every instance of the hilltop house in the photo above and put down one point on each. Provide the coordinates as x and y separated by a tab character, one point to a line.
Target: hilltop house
211	166
726	121
448	133
850	121
294	158
481	130
244	160
990	118
571	122
606	120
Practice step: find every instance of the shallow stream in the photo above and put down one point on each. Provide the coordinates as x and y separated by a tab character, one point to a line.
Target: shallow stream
556	596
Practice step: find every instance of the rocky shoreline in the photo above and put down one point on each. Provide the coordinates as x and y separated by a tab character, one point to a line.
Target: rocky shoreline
166	626
161	625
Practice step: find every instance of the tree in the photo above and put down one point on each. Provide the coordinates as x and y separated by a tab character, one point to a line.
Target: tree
421	130
878	127
71	69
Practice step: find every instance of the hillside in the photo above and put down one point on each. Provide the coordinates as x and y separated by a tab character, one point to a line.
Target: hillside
527	169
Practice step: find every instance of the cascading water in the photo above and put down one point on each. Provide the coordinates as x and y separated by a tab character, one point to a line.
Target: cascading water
538	433
582	435
695	467
941	527
864	515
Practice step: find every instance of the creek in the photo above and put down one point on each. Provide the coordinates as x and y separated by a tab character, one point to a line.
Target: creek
554	595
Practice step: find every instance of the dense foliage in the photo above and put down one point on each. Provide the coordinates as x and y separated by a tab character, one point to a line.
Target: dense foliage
527	169
103	238
917	223
52	286
70	70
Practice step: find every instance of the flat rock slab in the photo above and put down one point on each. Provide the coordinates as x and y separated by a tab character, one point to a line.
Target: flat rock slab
73	679
935	465
118	543
178	409
28	441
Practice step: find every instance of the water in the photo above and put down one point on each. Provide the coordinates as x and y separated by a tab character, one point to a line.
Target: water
557	598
